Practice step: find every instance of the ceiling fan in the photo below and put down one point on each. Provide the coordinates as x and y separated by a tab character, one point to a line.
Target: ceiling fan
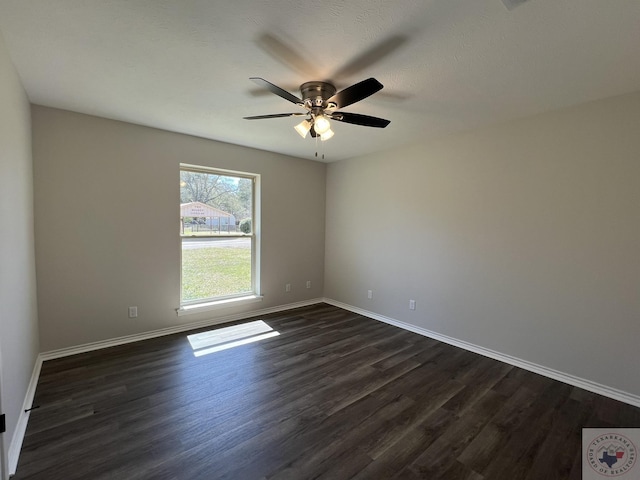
321	101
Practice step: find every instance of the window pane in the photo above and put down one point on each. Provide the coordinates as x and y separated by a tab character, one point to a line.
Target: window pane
217	234
214	204
215	267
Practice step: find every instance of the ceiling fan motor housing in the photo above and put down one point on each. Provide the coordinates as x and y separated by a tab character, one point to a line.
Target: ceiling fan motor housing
316	94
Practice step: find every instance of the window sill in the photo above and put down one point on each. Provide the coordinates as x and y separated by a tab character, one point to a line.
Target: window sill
226	303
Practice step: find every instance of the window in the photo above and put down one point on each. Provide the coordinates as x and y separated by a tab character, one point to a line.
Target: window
218	225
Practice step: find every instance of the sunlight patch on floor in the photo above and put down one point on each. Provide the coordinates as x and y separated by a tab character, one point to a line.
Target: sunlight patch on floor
229	337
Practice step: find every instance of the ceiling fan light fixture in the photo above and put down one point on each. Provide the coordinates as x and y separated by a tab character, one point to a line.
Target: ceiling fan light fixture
320	100
321	124
326	135
303	128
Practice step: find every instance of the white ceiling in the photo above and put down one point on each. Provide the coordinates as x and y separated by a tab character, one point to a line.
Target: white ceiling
446	65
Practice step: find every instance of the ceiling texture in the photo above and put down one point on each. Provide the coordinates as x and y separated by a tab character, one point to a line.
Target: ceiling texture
446	65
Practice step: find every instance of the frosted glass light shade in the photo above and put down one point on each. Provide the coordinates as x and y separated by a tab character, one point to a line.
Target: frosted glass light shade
326	135
321	124
303	128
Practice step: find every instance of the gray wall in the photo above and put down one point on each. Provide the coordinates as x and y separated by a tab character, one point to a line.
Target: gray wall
523	238
107	217
18	311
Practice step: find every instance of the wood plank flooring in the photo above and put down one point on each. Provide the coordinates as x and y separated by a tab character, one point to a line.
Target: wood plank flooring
334	396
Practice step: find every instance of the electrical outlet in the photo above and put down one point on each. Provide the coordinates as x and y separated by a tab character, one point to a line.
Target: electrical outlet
412	304
369	294
133	312
308	283
287	287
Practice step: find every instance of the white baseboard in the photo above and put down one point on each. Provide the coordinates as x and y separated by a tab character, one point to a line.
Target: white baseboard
18	436
594	387
88	347
21	427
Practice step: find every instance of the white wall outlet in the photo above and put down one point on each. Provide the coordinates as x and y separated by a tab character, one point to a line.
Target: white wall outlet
287	287
412	304
308	283
133	312
369	294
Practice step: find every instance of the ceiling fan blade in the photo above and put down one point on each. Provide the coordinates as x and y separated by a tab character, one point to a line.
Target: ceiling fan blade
356	92
277	90
357	119
275	115
287	55
373	55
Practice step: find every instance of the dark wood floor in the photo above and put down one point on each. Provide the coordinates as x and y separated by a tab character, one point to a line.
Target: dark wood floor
336	395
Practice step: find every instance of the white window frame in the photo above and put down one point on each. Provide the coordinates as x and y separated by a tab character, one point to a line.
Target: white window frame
200	305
